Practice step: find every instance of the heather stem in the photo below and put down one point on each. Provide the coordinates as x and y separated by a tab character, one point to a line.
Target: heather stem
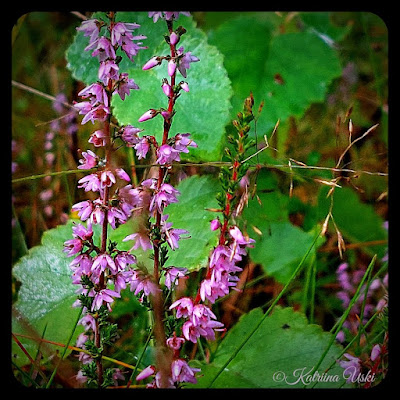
164	355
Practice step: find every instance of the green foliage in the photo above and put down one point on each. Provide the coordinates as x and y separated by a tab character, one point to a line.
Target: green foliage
288	71
197	195
203	112
283	342
357	221
280	245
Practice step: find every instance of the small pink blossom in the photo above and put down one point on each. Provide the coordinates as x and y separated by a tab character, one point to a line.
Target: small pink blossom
148	371
215	224
184	307
153	62
98	138
148	115
141	240
89	160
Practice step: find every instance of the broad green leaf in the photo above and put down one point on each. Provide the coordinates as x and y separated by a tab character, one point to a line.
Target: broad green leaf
284	346
197	194
281	245
288	71
46	294
357	221
203	112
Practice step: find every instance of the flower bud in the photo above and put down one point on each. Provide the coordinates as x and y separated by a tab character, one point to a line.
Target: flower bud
148	115
174	38
184	86
153	62
215	224
171	67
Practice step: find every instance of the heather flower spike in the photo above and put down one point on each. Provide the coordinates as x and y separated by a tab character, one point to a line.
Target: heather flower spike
95	268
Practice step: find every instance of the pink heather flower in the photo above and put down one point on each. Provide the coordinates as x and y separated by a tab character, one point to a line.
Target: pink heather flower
84	209
239	238
89	160
375	352
121	32
130	135
165	113
166	89
83	107
98	113
173	38
165	196
191	332
212	290
90	27
172	235
352	367
142	147
156	15
96	91
73	246
215	224
153	62
123	259
183	141
175	342
104	295
98	138
115	217
167	154
185	59
108	70
185	86
148	371
171	67
122	174
150	183
81	340
117	375
90	183
182	372
141	240
125	85
138	282
148	115
107	179
103	48
172	274
103	261
88	322
167	15
81	232
184	307
131	49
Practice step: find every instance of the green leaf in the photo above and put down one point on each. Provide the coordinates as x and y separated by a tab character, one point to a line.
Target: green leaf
46	294
289	71
284	345
357	221
281	245
197	194
203	112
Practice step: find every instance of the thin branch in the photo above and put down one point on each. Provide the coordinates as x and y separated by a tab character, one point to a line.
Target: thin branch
79	15
39	93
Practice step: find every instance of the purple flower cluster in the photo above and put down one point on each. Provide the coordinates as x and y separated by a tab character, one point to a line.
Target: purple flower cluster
110	78
100	272
349	280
